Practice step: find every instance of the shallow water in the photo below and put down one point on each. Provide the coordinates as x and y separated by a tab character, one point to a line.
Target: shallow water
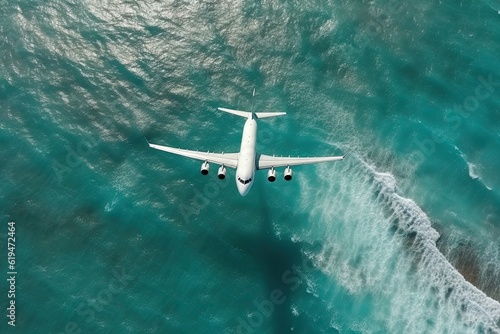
113	237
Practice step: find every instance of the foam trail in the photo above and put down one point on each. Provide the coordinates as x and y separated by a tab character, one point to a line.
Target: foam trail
474	170
493	4
381	244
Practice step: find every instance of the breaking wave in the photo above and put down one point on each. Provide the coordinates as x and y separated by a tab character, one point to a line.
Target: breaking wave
381	244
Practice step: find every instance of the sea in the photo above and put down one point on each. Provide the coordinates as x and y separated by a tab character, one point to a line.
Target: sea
111	236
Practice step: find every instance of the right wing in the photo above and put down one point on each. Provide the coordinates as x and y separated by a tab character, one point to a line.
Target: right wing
226	159
268	161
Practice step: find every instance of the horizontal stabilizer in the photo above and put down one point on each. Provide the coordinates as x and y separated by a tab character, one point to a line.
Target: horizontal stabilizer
248	114
241	113
269	114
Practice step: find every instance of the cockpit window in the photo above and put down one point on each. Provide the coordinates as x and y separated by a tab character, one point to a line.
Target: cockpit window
244	181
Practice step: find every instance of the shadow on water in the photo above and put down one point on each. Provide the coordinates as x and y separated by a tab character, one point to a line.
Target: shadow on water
276	259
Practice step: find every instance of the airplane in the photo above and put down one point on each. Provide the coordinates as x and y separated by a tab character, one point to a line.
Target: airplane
247	161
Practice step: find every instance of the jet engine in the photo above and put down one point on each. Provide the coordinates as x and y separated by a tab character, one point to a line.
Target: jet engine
271	175
205	167
221	174
288	173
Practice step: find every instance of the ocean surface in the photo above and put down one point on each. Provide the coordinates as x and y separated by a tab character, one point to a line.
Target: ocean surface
403	236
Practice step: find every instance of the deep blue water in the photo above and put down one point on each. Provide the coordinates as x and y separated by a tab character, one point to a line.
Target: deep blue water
113	237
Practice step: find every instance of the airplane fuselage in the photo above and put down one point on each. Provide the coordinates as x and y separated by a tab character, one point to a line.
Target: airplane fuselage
245	171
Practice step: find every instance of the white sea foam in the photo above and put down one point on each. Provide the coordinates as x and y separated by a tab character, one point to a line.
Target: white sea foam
416	289
474	171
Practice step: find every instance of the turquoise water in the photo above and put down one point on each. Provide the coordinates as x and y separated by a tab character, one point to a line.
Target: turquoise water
113	237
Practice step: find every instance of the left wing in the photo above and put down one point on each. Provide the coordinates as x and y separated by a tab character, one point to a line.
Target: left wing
226	159
268	161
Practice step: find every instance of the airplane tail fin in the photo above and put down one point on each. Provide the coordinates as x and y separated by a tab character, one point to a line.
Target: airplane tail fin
248	114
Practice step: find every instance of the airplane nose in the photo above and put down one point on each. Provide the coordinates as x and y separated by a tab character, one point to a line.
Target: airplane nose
242	189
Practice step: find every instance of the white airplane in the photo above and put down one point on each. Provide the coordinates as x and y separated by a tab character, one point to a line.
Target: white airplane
247	161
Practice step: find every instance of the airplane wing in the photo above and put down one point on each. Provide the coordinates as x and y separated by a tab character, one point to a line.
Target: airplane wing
268	161
226	159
